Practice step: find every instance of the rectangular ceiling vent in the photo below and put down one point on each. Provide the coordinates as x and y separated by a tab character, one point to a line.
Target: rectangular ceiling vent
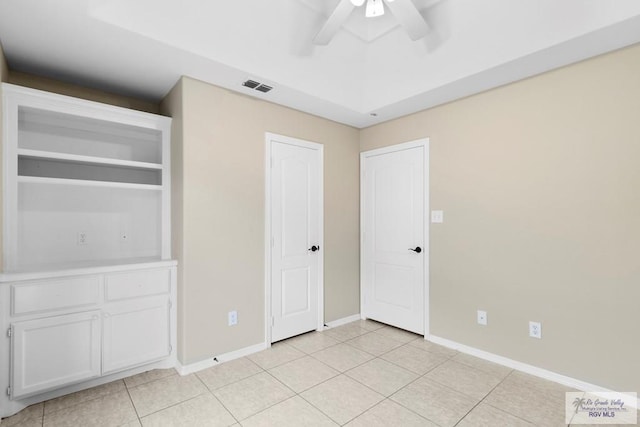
251	84
264	88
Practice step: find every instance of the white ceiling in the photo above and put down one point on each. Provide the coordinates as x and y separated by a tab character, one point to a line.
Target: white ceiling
142	47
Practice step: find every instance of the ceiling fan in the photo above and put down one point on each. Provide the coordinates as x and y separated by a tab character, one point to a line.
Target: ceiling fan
403	10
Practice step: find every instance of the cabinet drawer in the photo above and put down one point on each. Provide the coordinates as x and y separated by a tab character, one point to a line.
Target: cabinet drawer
49	295
134	284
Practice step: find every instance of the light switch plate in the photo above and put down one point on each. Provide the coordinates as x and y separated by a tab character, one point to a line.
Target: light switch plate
437	217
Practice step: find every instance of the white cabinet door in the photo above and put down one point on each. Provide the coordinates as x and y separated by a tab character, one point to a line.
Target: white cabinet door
135	332
55	351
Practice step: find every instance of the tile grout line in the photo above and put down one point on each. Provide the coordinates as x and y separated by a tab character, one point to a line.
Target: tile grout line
232	382
342	372
446	359
574	415
374	355
132	403
328	379
515	372
173	404
250	376
279	364
384	397
407	385
225	408
270	406
84	401
314	406
461	392
483	399
375	391
215	397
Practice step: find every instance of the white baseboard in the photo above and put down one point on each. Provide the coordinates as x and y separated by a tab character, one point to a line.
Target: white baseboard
226	357
532	370
342	321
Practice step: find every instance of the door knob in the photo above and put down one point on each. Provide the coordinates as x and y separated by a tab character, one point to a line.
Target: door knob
417	250
314	248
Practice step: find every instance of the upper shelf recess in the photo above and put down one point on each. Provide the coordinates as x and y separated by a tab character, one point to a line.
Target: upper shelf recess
86	183
86	159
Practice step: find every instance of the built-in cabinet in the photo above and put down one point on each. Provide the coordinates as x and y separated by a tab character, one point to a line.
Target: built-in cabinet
63	330
87	292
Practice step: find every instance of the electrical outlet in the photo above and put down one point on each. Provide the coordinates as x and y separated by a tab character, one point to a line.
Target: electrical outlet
233	318
535	330
82	238
437	217
482	317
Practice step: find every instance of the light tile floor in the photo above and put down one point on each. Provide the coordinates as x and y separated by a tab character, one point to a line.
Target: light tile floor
360	374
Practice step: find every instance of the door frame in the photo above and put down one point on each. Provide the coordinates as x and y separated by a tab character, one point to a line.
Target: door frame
422	142
270	139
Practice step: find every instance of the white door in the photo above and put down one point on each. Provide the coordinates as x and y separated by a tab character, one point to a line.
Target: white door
135	332
54	351
395	235
296	236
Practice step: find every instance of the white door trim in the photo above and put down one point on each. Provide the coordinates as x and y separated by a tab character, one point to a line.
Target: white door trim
423	142
270	138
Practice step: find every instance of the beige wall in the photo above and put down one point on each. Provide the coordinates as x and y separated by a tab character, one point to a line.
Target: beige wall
172	105
222	214
540	185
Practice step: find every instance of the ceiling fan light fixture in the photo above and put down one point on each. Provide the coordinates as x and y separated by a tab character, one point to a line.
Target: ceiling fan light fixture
357	3
374	8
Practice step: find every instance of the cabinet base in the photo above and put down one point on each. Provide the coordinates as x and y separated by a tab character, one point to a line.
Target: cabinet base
12	407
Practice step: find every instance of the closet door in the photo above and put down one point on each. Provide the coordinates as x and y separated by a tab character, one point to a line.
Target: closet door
394	236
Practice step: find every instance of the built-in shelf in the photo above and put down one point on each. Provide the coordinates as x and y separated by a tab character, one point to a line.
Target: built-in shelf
70	169
86	183
39	154
93	134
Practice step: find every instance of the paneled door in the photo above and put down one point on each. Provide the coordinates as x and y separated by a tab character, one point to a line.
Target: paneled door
54	351
135	332
296	236
394	235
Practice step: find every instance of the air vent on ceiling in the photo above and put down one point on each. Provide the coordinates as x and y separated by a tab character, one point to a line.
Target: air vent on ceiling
252	84
264	88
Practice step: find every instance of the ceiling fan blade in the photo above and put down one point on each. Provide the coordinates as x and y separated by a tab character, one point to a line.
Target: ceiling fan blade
335	21
409	17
